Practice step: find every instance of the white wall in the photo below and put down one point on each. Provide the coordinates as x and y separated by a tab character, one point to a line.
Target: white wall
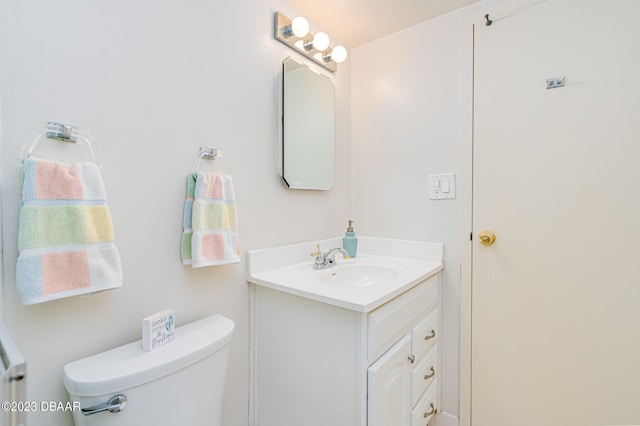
406	125
152	80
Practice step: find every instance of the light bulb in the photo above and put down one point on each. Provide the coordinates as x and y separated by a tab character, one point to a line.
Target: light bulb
300	26
339	54
321	41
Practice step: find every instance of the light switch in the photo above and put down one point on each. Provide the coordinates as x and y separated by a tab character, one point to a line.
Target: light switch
442	186
446	186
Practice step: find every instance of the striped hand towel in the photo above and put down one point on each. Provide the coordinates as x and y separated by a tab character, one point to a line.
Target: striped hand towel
65	234
187	229
210	235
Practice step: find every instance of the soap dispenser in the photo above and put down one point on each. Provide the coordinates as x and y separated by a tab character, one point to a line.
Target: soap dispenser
350	241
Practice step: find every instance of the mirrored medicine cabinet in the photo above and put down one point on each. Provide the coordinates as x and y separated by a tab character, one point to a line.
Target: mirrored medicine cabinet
307	132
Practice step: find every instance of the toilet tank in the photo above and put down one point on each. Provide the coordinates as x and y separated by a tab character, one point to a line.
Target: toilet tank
180	383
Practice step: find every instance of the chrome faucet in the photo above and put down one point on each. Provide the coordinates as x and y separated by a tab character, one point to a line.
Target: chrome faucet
328	259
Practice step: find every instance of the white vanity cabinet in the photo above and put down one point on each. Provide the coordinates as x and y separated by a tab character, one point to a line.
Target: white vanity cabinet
399	379
314	363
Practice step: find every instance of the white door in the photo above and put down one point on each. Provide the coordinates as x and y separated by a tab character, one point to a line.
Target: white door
389	388
556	299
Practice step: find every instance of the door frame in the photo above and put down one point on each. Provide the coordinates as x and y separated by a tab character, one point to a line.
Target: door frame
466	190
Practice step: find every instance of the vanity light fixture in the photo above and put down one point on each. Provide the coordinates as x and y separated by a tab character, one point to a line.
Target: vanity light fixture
295	34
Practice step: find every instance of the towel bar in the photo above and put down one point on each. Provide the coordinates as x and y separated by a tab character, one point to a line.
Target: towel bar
212	154
64	133
208	153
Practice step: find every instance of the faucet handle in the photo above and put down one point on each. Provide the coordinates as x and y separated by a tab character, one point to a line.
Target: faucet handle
316	253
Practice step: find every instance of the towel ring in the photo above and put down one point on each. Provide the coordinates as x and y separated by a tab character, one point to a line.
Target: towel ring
63	133
210	154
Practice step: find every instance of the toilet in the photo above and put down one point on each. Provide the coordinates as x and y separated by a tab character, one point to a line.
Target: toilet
181	383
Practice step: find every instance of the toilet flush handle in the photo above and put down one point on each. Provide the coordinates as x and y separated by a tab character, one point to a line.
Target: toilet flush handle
115	405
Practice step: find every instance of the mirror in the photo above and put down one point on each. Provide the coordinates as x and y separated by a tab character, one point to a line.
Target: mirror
308	129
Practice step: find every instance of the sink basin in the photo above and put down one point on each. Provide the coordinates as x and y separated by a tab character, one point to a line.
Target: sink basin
361	284
352	274
382	270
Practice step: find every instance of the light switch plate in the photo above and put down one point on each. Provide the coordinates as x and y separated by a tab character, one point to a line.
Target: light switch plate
442	187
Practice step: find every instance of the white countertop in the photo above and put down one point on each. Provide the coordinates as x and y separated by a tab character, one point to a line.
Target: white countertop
289	269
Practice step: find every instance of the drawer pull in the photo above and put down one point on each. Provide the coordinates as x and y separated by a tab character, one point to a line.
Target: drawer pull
431	411
430	336
430	375
412	359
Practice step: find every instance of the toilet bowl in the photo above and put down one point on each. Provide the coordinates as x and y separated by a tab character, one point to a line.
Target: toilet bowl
180	383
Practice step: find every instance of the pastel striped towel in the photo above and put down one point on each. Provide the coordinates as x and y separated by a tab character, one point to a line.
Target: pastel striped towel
210	225
187	229
65	233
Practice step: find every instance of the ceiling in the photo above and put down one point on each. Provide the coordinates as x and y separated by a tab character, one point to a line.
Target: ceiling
355	22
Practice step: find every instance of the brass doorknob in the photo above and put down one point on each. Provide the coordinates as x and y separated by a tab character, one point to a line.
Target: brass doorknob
487	238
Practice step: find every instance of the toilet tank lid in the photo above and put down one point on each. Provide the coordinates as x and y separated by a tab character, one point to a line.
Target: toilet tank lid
128	366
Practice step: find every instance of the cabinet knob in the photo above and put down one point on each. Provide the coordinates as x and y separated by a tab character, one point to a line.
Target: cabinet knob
412	359
430	336
431	374
431	411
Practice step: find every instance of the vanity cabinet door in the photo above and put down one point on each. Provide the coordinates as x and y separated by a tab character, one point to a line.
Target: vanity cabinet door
389	387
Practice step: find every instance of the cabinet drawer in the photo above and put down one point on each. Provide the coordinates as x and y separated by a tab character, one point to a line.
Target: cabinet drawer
425	334
388	322
426	407
423	374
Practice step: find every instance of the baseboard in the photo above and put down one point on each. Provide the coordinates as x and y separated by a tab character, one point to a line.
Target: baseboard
446	419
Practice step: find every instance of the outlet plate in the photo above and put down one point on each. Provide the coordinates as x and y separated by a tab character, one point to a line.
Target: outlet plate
442	187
